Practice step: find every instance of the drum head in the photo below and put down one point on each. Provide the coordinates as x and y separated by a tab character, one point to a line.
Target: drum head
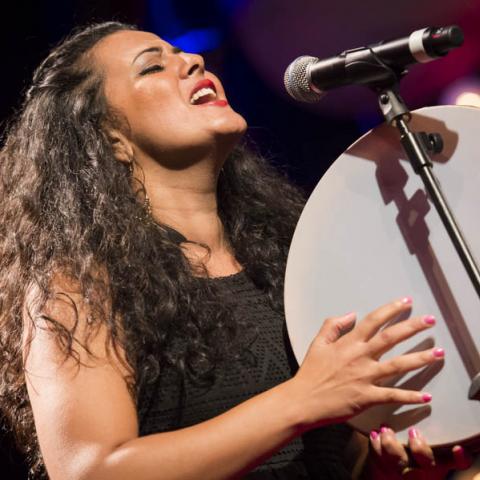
368	235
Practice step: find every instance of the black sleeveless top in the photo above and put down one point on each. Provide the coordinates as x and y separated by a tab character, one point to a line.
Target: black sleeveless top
175	403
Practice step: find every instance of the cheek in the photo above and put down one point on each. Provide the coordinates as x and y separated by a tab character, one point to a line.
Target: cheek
149	97
154	114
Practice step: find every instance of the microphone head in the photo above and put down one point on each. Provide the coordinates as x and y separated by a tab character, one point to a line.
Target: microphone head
297	80
456	36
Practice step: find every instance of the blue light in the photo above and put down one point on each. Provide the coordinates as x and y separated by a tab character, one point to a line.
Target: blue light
198	40
162	18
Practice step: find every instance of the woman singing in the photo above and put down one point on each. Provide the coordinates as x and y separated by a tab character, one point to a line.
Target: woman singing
142	259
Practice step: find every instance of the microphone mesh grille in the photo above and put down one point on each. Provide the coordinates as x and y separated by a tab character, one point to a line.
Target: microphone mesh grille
296	80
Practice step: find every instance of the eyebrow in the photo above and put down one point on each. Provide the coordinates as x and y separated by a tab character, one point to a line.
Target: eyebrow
147	50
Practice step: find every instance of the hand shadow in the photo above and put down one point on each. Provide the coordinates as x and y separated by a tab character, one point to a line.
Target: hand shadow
385	414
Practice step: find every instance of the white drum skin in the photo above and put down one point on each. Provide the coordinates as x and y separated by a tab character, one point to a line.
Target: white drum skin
369	235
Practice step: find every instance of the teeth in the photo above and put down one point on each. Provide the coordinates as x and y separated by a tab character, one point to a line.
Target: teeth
202	93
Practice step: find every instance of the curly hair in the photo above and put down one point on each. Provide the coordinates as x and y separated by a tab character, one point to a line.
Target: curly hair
68	205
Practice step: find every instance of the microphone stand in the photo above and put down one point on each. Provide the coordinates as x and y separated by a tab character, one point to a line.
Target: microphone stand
417	146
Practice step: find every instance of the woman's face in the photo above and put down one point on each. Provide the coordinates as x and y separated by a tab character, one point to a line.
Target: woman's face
172	105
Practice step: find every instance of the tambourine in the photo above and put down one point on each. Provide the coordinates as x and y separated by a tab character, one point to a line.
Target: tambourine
369	234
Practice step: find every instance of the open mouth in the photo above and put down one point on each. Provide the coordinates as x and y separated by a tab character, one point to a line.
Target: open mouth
204	92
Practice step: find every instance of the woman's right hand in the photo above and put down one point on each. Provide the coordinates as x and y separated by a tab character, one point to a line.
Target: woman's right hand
341	374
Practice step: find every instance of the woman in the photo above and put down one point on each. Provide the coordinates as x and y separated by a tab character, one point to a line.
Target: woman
142	261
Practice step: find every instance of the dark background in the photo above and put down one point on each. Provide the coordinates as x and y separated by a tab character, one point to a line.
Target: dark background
249	43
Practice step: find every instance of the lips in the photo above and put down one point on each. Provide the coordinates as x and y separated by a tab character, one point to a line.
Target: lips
205	83
205	93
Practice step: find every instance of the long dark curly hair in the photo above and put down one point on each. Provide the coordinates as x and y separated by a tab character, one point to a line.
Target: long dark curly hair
68	205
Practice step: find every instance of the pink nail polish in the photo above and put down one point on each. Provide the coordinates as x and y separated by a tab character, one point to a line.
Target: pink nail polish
407	300
429	319
458	449
373	435
439	353
426	397
412	433
384	430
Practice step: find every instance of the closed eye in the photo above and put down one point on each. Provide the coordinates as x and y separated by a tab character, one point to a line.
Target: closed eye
152	69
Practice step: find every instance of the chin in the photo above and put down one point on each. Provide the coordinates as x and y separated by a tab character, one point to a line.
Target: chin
233	133
230	125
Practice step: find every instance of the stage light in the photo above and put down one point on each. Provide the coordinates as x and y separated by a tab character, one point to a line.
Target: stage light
471	99
465	91
190	33
198	40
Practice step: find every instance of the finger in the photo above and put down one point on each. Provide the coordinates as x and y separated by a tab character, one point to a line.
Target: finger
370	325
421	451
461	459
393	452
410	361
388	337
334	327
375	442
380	395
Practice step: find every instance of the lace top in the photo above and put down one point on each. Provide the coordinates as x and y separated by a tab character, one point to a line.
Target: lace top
173	403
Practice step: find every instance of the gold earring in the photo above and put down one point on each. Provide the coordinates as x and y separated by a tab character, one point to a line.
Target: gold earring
130	168
147	206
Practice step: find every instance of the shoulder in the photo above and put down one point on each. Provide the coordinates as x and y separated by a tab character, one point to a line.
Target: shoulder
79	383
70	318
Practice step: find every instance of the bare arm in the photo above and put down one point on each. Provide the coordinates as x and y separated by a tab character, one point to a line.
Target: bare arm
87	425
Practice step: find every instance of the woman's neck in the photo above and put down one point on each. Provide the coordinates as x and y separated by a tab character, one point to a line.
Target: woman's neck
187	202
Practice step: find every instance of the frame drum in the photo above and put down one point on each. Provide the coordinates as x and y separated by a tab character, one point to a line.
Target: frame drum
369	234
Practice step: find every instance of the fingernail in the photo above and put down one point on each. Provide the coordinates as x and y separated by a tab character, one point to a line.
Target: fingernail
373	435
458	449
412	433
407	300
349	314
384	430
439	353
429	319
426	397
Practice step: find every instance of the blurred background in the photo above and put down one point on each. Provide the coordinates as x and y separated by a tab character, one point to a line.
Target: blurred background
248	44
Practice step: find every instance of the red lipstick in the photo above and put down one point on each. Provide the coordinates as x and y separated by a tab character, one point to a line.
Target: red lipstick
218	103
205	83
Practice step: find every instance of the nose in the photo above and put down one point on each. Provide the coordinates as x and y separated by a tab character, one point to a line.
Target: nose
192	64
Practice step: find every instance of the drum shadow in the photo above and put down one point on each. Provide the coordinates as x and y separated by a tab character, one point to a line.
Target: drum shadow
413	227
386	139
433	125
391	180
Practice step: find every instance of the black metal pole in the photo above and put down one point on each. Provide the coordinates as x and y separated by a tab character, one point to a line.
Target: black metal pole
422	165
396	113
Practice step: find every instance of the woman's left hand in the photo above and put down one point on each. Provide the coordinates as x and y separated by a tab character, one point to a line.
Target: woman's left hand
389	458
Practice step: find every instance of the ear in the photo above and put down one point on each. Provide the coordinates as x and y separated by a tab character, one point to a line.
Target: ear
122	148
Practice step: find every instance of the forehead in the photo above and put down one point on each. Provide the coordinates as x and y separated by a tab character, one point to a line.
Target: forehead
123	46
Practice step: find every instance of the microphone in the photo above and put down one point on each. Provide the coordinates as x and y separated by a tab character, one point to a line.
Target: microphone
307	78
